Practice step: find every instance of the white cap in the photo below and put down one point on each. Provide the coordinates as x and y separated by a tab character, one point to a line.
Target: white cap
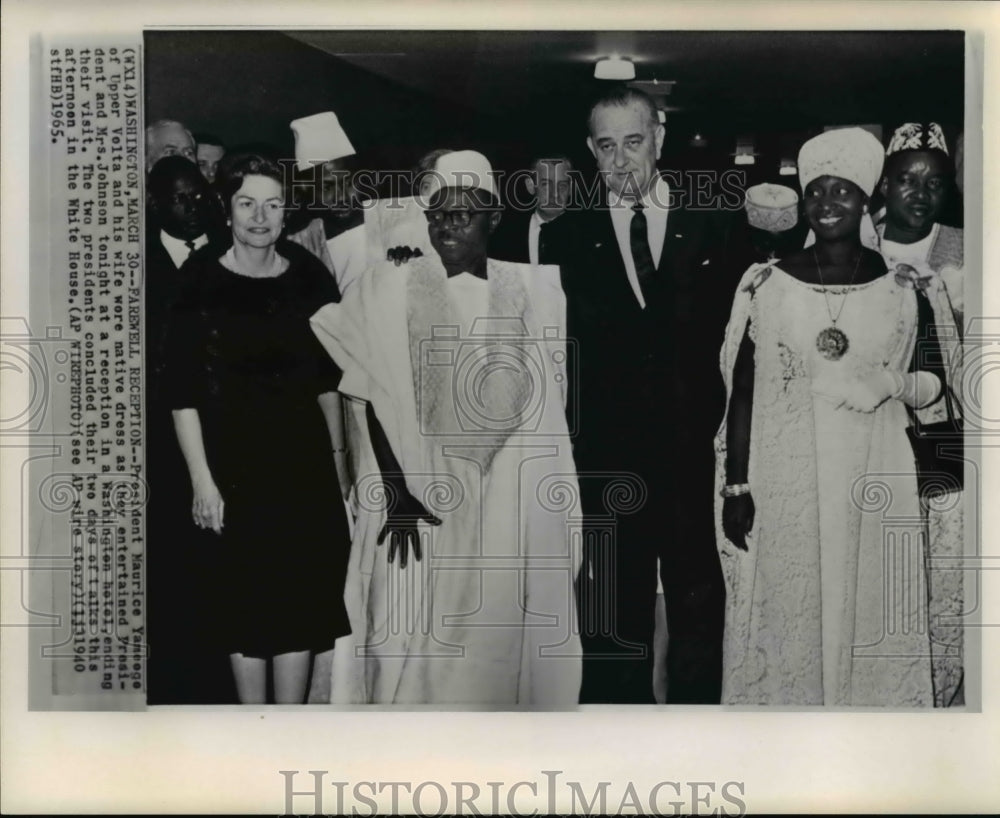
774	208
319	138
465	169
917	136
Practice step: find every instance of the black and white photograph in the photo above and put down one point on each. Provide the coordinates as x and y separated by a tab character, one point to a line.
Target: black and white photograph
456	412
532	302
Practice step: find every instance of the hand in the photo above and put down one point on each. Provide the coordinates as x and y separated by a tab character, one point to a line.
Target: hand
402	254
737	519
858	394
207	508
401	525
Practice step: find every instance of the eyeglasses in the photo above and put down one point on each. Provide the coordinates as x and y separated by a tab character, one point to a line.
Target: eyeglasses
458	218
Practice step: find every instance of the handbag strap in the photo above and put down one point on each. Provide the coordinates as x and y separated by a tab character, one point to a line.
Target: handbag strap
931	348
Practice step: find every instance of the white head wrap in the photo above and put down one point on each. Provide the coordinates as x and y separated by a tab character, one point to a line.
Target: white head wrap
319	138
847	153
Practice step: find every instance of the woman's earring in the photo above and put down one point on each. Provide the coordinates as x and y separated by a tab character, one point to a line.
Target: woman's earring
864	208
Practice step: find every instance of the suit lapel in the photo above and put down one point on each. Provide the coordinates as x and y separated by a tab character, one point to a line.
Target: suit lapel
602	255
672	239
605	247
684	269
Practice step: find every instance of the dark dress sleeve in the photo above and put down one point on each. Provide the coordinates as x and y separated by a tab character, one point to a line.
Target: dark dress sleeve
320	289
184	343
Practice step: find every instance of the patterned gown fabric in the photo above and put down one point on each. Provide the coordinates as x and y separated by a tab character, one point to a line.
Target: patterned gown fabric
828	606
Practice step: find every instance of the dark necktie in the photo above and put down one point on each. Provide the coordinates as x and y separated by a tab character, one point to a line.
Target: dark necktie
543	249
642	257
190	246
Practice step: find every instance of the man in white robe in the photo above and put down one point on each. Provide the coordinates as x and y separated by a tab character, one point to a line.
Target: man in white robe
337	235
463	591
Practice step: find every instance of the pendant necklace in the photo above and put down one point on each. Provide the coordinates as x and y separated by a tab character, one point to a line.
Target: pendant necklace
831	342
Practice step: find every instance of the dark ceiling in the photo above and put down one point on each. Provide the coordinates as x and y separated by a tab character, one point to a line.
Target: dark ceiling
740	77
517	93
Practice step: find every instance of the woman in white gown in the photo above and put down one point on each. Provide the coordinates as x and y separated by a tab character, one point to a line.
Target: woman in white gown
823	536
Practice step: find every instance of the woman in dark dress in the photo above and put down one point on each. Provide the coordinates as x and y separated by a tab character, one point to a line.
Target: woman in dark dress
257	413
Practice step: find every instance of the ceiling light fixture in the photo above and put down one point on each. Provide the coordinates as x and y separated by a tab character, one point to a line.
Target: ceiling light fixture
614	68
745	153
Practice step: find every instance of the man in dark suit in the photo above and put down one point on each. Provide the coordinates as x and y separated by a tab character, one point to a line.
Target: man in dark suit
646	315
182	215
537	235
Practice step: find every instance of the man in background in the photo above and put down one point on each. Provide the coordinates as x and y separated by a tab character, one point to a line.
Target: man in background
167	137
536	235
334	230
182	216
210	152
918	178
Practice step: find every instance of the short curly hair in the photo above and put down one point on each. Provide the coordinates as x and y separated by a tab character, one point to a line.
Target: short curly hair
249	164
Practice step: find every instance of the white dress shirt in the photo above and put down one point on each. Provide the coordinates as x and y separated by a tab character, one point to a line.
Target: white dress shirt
655	203
916	253
177	249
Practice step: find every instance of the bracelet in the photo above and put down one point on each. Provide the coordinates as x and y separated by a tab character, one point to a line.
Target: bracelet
735	490
340	450
898	384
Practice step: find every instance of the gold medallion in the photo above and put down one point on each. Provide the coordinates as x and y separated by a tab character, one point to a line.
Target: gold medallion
832	344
